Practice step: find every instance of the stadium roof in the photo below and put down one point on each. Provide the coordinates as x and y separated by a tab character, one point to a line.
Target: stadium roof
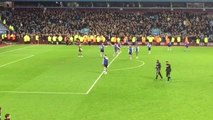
115	0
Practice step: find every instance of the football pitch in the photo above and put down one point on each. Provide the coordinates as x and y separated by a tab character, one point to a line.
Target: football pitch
50	82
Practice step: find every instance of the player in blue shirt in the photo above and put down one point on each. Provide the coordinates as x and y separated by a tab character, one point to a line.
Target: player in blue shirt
102	49
136	51
105	63
130	52
149	45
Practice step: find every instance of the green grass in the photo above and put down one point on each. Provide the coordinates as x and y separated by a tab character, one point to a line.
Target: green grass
130	94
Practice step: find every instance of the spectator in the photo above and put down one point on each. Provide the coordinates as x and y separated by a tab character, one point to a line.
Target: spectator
108	22
7	116
0	112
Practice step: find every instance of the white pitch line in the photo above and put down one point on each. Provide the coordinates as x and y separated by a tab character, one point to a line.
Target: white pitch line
14	49
101	74
129	68
16	61
49	93
6	46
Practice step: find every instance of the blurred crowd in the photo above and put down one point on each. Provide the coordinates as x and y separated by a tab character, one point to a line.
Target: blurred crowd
108	22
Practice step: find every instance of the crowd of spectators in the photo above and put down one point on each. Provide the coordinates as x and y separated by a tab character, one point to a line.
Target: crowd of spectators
108	22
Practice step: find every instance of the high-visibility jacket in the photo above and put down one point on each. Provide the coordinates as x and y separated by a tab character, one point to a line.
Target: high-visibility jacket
198	40
81	39
13	36
178	39
76	37
11	28
37	38
206	40
113	39
60	38
49	38
173	40
160	39
88	38
71	38
98	38
54	38
134	39
26	38
2	36
118	39
85	38
91	37
103	38
150	38
4	22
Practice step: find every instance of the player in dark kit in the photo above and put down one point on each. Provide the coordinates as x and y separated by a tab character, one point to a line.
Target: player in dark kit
116	47
169	46
80	50
130	52
119	47
105	63
149	45
136	51
158	70
102	50
186	45
168	70
0	112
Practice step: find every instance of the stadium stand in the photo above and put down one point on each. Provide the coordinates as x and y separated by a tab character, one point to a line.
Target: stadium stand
108	22
63	21
3	29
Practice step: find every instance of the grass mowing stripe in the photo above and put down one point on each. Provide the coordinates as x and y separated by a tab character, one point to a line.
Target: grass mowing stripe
15	49
49	93
101	75
16	61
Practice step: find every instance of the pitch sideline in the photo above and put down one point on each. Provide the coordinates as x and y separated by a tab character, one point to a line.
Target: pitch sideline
49	93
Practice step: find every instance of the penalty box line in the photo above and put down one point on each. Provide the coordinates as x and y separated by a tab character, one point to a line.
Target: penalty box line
15	49
16	61
88	91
